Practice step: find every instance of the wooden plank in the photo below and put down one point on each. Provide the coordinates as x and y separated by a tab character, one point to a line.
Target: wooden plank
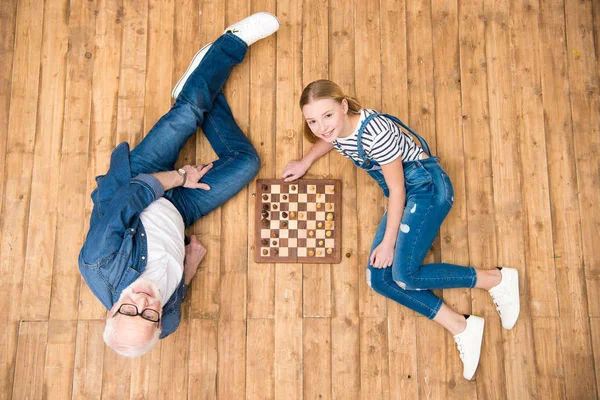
432	349
530	130
288	331
288	278
585	112
8	15
16	188
89	358
401	322
374	372
29	367
264	135
423	118
547	339
205	289
317	278
186	39
595	329
161	14
507	181
173	363
317	358
203	359
103	125
448	118
402	349
72	187
345	333
143	373
60	359
39	256
479	191
231	378
574	330
370	208
232	311
132	86
116	375
260	373
402	340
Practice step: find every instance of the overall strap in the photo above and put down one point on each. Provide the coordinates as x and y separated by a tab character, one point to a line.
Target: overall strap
423	142
359	145
361	152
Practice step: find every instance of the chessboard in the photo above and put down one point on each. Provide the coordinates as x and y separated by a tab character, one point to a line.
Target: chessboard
298	222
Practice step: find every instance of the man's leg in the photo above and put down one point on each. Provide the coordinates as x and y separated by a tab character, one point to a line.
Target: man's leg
237	165
159	150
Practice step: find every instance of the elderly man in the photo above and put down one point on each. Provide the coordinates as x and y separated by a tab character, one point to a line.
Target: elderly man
134	258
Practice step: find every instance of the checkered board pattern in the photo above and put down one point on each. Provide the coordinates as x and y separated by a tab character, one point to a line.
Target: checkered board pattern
298	222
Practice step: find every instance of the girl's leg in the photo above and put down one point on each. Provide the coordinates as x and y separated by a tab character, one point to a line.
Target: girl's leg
428	203
237	165
159	150
424	302
468	333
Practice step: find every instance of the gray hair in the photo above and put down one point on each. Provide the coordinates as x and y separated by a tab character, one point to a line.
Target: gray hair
124	349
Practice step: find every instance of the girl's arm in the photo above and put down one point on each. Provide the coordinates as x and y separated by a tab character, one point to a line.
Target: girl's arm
383	255
295	169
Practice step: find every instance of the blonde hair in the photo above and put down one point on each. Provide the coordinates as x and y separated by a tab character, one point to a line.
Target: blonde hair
325	89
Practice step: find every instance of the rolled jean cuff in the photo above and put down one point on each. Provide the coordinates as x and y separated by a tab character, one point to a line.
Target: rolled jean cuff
151	182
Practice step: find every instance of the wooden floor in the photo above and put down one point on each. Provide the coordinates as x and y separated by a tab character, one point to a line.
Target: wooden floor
505	91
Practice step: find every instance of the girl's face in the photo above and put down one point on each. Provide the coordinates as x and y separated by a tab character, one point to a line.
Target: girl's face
327	118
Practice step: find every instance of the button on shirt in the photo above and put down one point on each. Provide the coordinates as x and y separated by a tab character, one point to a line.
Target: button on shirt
166	249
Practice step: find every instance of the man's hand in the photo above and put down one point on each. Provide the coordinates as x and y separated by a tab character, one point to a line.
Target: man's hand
194	253
194	174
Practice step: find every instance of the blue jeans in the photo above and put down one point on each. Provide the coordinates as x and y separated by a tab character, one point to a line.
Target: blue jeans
202	103
429	197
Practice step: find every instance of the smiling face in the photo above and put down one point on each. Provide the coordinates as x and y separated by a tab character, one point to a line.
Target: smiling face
142	294
327	118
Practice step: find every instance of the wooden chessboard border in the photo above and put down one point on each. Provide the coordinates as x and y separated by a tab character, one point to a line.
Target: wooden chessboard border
334	258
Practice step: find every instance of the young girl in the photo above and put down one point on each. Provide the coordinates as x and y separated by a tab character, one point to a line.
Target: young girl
420	196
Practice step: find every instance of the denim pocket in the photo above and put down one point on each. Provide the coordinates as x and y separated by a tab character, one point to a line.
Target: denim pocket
448	189
416	174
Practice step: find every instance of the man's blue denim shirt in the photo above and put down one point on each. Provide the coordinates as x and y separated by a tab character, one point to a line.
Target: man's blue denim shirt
115	250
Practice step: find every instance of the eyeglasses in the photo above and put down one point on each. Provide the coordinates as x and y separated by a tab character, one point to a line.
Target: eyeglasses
131	310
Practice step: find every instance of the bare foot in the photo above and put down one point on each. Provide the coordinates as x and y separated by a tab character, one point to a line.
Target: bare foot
194	253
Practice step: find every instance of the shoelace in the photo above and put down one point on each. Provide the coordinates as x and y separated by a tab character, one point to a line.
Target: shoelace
460	349
501	294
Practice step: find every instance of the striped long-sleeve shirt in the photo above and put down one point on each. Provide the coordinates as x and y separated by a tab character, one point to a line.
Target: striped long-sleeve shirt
382	141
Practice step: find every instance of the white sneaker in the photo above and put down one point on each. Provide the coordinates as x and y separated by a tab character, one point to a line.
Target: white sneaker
255	27
193	65
506	297
469	345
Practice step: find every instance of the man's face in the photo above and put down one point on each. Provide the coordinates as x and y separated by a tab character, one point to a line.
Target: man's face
135	329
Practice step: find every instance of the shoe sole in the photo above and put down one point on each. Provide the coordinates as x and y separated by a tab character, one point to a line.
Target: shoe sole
515	283
479	355
186	75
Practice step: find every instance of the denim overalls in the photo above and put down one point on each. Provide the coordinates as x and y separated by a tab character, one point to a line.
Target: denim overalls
429	197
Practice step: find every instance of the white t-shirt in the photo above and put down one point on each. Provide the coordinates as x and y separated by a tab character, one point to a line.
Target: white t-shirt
166	248
382	141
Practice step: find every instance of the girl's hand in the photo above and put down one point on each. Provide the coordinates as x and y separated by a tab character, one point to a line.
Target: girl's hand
294	170
194	174
382	256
